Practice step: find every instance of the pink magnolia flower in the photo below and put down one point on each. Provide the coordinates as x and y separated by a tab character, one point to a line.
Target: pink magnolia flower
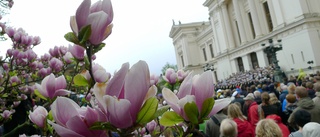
128	90
71	120
170	76
51	86
77	51
38	116
196	89
6	114
154	79
99	16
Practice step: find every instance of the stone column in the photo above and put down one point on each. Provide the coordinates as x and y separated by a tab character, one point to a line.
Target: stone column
246	62
255	18
215	35
262	59
227	25
240	21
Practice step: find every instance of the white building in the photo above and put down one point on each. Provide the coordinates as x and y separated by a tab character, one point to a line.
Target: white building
231	41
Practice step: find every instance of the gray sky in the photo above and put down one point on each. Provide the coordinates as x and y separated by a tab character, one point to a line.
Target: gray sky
141	28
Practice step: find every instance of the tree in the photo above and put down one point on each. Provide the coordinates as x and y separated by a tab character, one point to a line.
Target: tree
168	65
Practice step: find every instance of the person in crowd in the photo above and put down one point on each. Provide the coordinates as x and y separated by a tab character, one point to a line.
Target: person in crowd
237	98
316	87
268	128
301	117
215	121
311	129
291	90
291	104
244	128
311	92
284	93
257	97
228	128
284	129
265	108
253	116
306	103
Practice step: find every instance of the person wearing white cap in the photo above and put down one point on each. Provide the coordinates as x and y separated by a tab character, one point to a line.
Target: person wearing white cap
311	129
237	98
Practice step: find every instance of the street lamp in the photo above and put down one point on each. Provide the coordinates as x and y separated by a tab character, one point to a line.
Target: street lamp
272	50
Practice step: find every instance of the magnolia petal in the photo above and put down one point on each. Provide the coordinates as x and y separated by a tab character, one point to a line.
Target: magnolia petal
107	8
219	105
64	132
100	76
185	87
61	82
203	88
184	101
116	83
91	116
42	91
37	119
99	90
151	92
98	21
77	125
73	25
137	83
61	92
82	13
63	109
118	111
171	99
51	86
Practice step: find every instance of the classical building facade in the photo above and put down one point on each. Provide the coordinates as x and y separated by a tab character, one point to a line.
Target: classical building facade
231	40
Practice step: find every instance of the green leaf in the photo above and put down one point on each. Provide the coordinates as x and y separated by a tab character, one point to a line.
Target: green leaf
161	110
49	116
98	48
36	92
71	37
84	34
148	110
170	118
5	95
206	108
191	110
80	80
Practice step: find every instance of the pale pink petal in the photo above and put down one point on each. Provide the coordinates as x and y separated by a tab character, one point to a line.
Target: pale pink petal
171	99
185	87
51	86
184	101
137	83
151	92
37	119
219	105
91	116
61	82
77	125
116	83
64	132
83	13
101	76
61	92
63	109
43	92
73	24
203	88
98	22
118	111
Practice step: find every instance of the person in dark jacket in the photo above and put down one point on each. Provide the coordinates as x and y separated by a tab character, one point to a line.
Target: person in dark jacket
305	103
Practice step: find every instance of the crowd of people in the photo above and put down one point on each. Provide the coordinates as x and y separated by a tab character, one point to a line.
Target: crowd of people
265	108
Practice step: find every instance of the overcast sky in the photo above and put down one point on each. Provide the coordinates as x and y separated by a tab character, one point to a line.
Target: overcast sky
141	28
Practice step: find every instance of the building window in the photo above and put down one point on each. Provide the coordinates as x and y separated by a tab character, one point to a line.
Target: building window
240	64
268	16
182	61
204	54
215	75
238	31
302	56
251	25
211	50
292	58
254	60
